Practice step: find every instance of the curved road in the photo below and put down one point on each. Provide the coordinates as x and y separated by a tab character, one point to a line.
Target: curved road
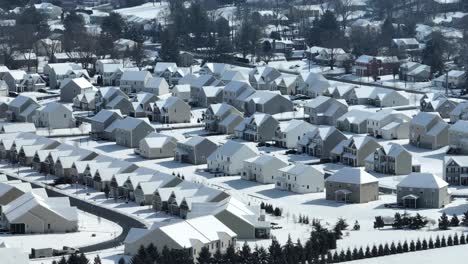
124	221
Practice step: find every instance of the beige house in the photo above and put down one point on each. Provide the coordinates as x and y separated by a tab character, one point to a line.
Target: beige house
428	130
156	146
352	185
354	150
423	190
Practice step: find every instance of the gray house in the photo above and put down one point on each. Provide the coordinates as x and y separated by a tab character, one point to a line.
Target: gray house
22	109
102	120
210	95
352	185
129	131
259	127
104	95
267	102
74	87
220	113
194	150
155	146
325	110
457	136
437	102
415	72
121	103
320	142
388	124
197	84
354	121
423	190
314	85
234	92
288	133
134	81
460	112
428	130
391	159
170	110
455	168
354	150
54	115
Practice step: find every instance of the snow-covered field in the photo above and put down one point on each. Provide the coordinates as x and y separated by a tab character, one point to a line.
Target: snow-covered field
89	225
147	11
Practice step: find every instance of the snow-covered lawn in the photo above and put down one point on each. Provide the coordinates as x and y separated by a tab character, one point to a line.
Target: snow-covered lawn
108	256
89	225
146	11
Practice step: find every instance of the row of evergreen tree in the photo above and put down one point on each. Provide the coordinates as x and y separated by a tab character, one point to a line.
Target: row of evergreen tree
406	221
269	209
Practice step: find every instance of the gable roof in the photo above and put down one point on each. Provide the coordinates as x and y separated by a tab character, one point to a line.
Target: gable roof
352	175
422	180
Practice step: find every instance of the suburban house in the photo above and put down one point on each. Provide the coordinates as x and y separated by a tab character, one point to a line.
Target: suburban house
354	151
314	85
428	130
352	185
460	112
366	65
85	101
377	96
320	141
406	45
11	190
234	92
129	131
113	73
437	102
197	84
58	72
191	235
287	85
13	79
288	134
453	79
390	159
209	95
165	69
34	212
259	127
248	222
262	78
54	115
103	120
388	124
214	69
262	168
456	170
233	75
341	91
73	87
194	150
228	158
414	72
300	178
140	103
105	95
155	146
354	121
324	110
157	86
267	102
144	191
224	114
134	81
182	91
168	111
457	137
122	103
423	190
22	109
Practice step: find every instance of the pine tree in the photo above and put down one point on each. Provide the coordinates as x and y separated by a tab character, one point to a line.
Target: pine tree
380	251
443	242
393	249
437	242
405	246
341	224
276	255
426	245
122	261
368	253
230	256
261	255
444	222
328	260
289	251
374	251
386	249
456	242
419	245
204	257
360	253
336	257
355	254
349	255
431	244
397	222
152	253
277	211
342	256
399	248
97	260
454	221
299	251
245	254
412	246
82	259
449	241
62	260
379	222
465	219
462	239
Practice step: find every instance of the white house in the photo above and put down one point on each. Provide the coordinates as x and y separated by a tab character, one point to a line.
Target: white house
263	168
288	134
54	115
228	158
300	178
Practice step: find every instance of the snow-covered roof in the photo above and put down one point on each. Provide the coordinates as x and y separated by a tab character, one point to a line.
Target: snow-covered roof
105	114
460	126
352	176
230	148
20	100
156	140
264	159
355	116
422	180
293	124
135	76
212	91
298	169
424	118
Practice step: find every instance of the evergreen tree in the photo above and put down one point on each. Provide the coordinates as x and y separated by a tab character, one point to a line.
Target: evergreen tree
113	26
169	46
276	255
245	254
399	248
289	251
464	221
106	191
432	54
379	222
336	257
74	31
261	255
355	254
443	242
456	242
412	246
328	260
406	247
444	222
152	253
380	251
356	226
360	253
374	251
82	259
62	260
97	260
426	245
122	261
386	249
230	256
449	241
387	33
299	249
397	222
342	256
454	221
393	249
204	257
341	224
419	245
368	253
462	239
349	255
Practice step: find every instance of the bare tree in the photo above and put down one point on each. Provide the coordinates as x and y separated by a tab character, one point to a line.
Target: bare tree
343	10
